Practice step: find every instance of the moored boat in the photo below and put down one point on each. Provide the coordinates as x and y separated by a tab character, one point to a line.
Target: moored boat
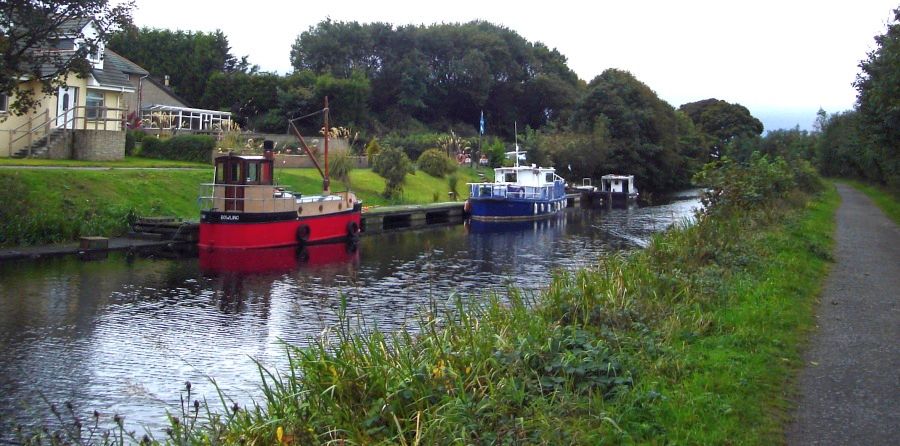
618	187
244	208
517	193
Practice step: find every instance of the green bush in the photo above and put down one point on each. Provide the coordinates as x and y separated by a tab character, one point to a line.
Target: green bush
196	148
129	143
151	146
373	148
436	163
392	165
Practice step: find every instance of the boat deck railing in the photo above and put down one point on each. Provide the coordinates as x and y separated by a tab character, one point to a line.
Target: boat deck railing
510	191
255	198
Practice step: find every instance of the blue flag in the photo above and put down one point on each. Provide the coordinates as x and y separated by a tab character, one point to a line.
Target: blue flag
481	127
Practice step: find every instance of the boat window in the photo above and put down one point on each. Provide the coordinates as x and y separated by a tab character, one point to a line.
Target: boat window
549	177
253	173
234	173
220	172
509	177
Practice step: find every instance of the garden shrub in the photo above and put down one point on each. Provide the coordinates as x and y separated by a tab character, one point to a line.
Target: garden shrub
436	163
392	165
196	148
129	143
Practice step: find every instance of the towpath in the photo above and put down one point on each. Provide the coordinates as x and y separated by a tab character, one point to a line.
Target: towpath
850	385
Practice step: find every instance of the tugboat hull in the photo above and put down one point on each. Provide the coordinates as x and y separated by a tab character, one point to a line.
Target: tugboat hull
223	230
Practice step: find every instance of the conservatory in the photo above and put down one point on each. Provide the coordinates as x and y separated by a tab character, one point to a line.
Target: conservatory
168	117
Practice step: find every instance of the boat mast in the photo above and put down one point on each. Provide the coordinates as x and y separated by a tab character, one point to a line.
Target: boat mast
516	133
326	183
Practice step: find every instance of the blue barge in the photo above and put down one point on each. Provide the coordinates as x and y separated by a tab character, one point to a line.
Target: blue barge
517	193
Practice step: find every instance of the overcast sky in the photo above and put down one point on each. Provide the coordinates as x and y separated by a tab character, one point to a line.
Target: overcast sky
782	59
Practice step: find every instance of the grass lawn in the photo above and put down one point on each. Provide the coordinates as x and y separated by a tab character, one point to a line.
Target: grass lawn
58	205
129	161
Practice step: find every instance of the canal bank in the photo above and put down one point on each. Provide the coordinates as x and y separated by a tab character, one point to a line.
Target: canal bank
171	232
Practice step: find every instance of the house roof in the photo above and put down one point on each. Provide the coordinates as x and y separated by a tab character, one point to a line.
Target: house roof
73	27
162	86
113	60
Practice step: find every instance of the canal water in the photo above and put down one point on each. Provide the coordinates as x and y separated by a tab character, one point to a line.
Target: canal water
122	335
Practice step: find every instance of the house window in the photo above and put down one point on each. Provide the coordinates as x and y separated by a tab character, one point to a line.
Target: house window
94	103
4	103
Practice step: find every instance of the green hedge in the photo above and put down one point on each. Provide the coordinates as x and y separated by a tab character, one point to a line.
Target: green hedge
196	148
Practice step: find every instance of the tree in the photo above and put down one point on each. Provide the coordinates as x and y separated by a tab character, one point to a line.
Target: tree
721	122
392	165
29	27
878	102
641	130
189	58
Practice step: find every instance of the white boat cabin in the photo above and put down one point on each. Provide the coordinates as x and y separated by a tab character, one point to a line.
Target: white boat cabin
618	184
532	176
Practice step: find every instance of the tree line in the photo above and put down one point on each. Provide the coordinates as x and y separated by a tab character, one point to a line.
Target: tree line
383	80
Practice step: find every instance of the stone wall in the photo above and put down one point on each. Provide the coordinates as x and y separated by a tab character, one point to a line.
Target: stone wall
296	161
98	145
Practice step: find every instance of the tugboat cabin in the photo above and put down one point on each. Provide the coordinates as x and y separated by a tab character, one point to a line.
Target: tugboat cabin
246	184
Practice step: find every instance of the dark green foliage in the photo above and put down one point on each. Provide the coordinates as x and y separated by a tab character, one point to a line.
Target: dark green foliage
734	186
443	74
393	165
632	131
189	58
436	163
878	104
845	149
197	148
720	122
130	141
414	144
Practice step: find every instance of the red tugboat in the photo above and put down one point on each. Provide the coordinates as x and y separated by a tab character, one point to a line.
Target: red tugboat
244	208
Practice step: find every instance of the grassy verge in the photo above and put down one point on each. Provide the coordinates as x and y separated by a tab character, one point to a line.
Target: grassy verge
58	205
888	201
129	161
693	340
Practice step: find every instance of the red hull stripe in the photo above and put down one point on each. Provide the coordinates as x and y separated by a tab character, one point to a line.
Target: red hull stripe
276	233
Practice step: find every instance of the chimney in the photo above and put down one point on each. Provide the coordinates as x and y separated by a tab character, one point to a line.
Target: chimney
166	82
268	147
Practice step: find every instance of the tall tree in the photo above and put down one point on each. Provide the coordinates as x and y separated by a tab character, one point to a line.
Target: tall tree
444	74
878	101
28	28
721	122
642	129
189	58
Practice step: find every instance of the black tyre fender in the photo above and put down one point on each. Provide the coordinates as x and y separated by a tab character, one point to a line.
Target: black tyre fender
352	229
303	233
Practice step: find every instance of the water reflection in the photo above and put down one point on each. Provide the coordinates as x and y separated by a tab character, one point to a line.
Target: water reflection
122	335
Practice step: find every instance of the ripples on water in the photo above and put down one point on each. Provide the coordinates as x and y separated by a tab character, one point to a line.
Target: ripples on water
122	335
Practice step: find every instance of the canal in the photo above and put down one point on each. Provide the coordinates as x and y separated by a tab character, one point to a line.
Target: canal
123	334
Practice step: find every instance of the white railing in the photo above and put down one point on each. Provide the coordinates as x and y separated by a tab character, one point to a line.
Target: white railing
494	190
209	200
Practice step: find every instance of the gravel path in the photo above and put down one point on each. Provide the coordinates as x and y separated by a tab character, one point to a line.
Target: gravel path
850	387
